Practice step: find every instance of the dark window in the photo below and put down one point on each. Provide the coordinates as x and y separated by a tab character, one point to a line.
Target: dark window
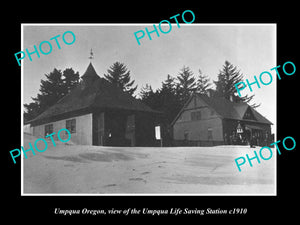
196	115
209	134
71	125
186	135
249	115
48	129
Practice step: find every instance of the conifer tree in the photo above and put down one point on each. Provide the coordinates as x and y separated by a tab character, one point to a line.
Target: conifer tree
164	99
56	85
186	84
147	95
70	80
227	78
146	91
169	99
51	90
119	75
203	83
169	84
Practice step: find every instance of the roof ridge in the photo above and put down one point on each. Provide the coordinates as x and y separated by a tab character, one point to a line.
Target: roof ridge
226	108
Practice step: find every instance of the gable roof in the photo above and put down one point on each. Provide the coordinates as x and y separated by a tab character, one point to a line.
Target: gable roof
227	109
97	94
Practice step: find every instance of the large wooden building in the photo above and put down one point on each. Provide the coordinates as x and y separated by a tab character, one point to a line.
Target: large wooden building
99	113
206	120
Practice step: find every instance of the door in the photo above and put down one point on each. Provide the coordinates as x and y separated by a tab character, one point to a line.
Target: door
98	129
130	129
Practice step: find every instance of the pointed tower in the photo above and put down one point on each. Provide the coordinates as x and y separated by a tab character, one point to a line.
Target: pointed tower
90	75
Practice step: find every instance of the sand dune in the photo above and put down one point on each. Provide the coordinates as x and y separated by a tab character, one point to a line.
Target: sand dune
80	169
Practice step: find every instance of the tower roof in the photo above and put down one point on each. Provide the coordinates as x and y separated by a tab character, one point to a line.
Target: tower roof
90	72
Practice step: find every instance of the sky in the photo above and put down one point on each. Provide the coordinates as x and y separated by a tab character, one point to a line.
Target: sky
250	47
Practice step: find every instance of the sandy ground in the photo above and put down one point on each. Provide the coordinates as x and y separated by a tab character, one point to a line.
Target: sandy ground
79	169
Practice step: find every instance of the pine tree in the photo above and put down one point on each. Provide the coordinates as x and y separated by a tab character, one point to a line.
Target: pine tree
119	75
203	83
164	99
51	89
227	78
146	95
169	84
186	84
56	85
70	80
32	110
169	99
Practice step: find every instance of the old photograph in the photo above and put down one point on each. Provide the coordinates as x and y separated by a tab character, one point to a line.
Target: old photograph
148	109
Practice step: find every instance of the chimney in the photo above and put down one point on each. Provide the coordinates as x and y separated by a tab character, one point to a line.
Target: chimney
231	98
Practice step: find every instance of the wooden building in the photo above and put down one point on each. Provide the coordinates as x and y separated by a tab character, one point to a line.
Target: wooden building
206	120
99	113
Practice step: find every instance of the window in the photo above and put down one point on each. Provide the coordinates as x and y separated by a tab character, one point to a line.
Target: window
186	135
209	134
71	125
196	115
48	129
249	115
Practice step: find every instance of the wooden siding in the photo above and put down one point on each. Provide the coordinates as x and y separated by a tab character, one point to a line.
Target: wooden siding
82	136
209	125
199	130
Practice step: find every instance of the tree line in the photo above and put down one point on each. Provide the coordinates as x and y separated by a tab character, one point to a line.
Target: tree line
176	90
169	98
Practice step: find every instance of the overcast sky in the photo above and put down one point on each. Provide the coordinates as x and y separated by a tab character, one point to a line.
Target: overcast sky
250	47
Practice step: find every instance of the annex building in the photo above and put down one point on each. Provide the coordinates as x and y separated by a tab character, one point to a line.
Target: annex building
206	120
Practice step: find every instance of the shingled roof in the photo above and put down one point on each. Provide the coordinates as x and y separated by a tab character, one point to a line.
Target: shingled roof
227	109
93	92
232	110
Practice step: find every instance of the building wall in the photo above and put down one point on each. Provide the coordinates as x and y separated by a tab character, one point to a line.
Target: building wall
82	136
206	128
202	130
